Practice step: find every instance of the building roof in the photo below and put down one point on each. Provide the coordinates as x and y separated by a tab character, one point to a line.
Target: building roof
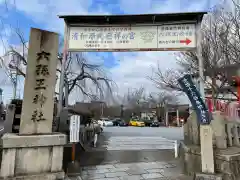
133	19
80	109
228	70
180	107
224	89
83	108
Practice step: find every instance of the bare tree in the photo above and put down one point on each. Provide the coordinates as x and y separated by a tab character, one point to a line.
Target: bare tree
166	80
77	69
220	51
163	98
134	97
138	99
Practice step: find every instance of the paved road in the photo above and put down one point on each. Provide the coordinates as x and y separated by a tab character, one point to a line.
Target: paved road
172	133
137	138
132	153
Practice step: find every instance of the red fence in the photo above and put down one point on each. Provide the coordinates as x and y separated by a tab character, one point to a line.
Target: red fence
231	110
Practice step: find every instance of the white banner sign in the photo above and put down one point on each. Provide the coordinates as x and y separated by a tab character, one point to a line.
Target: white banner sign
133	38
74	128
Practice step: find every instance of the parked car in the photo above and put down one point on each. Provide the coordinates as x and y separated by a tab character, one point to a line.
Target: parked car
116	121
105	122
155	124
119	122
147	122
136	122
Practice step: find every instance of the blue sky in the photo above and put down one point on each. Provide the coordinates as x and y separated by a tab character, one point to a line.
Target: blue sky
127	69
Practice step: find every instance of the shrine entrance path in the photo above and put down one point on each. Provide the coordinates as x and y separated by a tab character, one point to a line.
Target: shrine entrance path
129	153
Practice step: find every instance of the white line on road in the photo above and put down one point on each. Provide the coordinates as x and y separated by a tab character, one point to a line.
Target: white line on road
138	143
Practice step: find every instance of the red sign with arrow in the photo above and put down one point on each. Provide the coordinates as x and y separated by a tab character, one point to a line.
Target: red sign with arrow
186	41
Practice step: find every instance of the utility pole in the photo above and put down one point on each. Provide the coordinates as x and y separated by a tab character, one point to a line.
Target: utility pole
14	88
101	105
84	89
14	73
1	98
1	104
63	69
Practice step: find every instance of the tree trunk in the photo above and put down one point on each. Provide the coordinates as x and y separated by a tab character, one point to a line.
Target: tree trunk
66	95
214	93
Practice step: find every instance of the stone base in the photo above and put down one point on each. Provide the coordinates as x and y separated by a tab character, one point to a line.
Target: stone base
32	156
227	161
48	176
203	176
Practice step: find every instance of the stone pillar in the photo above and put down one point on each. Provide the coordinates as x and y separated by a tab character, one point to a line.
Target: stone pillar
36	153
206	149
40	80
219	131
8	123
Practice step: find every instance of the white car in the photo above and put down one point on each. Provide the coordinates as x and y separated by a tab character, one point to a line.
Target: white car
105	122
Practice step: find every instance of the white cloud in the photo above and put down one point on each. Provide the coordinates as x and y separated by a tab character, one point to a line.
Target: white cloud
132	71
47	11
167	6
132	68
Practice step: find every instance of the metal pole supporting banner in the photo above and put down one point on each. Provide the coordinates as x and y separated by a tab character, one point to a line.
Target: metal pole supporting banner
207	159
200	62
63	66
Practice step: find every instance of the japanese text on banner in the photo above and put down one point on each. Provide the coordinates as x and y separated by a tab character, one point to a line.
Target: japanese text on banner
196	100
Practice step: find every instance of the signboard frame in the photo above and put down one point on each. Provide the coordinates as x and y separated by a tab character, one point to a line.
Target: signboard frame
126	20
186	42
152	19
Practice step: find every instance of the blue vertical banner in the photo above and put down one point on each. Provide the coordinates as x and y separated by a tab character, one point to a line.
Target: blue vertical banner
195	98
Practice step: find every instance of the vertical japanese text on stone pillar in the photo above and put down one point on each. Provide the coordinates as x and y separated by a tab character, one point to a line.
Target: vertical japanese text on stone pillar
41	74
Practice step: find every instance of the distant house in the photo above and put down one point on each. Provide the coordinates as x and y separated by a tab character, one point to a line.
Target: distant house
93	109
82	110
174	110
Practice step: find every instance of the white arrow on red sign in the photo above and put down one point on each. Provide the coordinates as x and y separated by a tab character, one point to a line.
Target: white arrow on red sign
186	41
